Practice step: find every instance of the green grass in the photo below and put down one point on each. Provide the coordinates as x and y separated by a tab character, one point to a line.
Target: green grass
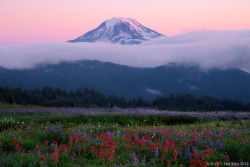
186	132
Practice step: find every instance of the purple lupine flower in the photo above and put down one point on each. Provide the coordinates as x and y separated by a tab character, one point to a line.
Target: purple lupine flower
181	154
156	152
134	159
144	161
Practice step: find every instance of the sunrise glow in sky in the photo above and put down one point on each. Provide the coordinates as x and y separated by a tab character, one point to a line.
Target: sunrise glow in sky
34	21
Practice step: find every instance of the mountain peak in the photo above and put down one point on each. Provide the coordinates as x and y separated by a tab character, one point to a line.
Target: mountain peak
119	30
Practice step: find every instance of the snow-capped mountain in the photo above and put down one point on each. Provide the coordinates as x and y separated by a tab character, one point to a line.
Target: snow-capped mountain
119	30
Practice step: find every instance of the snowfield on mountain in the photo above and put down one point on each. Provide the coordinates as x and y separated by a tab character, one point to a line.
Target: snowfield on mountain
125	31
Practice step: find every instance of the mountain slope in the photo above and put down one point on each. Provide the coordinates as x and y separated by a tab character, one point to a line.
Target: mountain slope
131	82
119	30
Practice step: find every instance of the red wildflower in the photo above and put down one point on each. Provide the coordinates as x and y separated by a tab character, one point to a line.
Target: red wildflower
198	163
52	159
93	148
162	158
41	163
42	157
113	148
175	153
169	162
110	155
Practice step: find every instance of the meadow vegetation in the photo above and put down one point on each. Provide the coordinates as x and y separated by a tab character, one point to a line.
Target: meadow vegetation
37	136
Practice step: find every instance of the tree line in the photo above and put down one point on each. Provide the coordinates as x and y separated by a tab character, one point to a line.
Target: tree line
84	97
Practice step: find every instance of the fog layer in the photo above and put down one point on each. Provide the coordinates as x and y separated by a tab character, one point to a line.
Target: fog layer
208	49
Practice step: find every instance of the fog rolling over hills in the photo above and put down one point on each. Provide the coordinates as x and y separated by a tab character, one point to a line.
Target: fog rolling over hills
132	82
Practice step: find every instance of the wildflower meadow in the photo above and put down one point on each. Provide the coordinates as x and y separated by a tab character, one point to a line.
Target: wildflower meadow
36	136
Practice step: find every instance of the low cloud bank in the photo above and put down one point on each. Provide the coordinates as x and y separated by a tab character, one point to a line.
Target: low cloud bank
208	49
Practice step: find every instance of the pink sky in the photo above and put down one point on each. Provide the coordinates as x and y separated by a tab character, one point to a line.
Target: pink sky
34	21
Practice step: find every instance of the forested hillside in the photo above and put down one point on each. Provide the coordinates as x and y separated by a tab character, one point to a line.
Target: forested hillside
84	97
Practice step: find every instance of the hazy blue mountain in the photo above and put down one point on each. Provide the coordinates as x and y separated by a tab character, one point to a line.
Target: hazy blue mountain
119	30
131	82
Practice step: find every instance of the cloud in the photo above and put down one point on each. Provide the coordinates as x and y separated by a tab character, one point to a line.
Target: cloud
153	91
208	49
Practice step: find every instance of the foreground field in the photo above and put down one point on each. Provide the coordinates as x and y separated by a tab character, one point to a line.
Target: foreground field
108	137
